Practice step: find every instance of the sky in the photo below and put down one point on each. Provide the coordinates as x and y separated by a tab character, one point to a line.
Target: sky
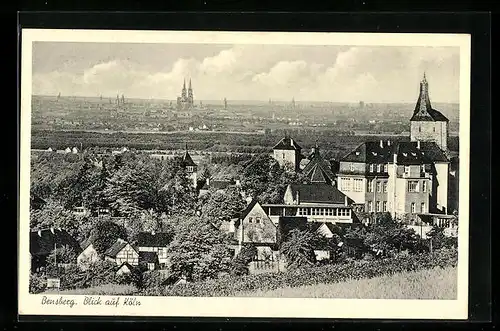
246	72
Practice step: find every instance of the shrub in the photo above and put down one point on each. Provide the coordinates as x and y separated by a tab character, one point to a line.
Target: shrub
331	273
38	283
239	265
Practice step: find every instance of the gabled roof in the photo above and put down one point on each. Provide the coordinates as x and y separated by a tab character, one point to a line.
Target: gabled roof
133	269
423	109
148	239
318	170
116	248
318	193
187	161
44	241
287	144
248	209
148	257
407	152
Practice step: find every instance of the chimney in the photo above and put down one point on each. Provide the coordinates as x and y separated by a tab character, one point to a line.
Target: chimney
395	158
418	144
208	181
40	233
381	143
297	197
345	200
291	142
388	143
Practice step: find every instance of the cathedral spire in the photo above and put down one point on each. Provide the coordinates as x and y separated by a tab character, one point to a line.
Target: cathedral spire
184	85
190	84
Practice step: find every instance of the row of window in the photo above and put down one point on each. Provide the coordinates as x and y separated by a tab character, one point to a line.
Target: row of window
422	169
420	129
324	212
414	207
417	186
254	219
356	185
380	167
380	206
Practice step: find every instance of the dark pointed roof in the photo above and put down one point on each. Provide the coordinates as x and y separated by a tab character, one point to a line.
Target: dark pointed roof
148	257
423	109
148	239
407	153
187	160
318	193
318	170
287	144
249	208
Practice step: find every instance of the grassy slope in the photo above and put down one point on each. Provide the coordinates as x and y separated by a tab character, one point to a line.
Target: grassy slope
426	284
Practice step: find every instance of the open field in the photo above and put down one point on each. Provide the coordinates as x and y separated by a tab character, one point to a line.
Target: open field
425	284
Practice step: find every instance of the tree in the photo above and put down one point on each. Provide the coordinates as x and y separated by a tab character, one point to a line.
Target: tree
239	264
439	240
53	214
223	205
198	250
298	248
105	234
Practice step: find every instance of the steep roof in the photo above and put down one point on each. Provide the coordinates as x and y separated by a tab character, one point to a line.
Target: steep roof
248	209
43	242
148	239
116	248
318	170
148	257
287	144
218	184
131	268
318	193
187	160
423	109
408	152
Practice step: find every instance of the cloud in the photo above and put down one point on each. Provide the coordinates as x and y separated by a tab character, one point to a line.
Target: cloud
372	74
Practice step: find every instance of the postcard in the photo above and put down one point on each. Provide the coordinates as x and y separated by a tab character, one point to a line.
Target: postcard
244	174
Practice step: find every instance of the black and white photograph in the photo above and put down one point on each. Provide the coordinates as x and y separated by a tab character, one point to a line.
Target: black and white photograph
244	174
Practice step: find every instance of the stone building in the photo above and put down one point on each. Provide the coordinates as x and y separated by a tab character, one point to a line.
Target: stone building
428	124
288	153
186	100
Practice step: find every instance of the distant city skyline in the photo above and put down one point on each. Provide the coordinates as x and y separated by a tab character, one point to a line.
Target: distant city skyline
374	74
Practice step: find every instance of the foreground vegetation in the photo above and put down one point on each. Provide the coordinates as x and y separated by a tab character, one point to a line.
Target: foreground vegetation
432	284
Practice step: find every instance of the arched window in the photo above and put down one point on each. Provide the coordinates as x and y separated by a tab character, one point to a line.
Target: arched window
419	129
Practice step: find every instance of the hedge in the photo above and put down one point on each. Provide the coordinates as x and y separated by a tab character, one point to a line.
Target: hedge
332	273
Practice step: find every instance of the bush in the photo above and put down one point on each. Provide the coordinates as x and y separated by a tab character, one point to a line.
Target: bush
331	273
239	265
38	283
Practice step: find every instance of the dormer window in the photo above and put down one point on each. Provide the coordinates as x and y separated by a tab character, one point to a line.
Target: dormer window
405	154
379	167
414	154
357	152
190	168
385	167
351	166
371	167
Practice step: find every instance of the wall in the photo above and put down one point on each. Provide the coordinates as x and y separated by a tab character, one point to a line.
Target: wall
286	157
262	232
375	195
132	257
442	186
357	196
88	256
430	131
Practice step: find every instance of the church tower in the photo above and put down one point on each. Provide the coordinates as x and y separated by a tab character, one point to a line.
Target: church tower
183	93
428	124
190	94
288	153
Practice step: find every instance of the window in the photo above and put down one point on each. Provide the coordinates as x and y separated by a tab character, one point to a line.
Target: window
257	220
343	212
413	208
345	184
283	156
371	167
434	129
379	187
370	206
330	212
351	166
384	206
422	207
413	186
384	184
419	129
151	266
250	220
190	168
379	167
385	167
379	209
358	185
407	170
424	186
422	168
370	186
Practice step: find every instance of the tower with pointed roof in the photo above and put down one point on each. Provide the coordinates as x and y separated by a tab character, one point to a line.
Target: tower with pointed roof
190	167
190	99
428	124
186	101
288	153
318	170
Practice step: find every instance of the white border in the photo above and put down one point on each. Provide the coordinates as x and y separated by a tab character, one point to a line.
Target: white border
30	304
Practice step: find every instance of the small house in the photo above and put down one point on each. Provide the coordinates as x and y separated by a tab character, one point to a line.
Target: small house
149	260
88	255
126	269
121	251
156	242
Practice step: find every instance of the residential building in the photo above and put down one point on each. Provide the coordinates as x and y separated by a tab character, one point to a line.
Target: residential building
44	242
318	202
149	260
121	251
288	153
400	178
88	255
155	243
428	124
126	268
